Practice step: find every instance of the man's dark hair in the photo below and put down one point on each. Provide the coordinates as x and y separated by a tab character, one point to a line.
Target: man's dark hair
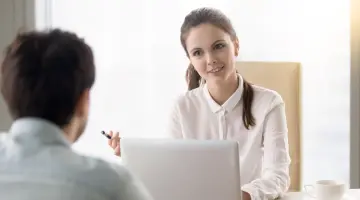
44	74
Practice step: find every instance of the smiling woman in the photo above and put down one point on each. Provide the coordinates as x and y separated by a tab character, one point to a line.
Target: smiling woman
223	108
211	44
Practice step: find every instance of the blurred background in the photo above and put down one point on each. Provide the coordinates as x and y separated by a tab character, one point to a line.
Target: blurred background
141	66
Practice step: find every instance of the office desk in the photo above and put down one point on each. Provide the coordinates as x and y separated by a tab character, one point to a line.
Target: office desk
353	194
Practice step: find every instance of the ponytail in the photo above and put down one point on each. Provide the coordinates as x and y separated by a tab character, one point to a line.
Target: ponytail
248	96
192	77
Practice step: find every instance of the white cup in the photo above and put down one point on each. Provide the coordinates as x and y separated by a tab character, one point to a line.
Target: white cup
327	190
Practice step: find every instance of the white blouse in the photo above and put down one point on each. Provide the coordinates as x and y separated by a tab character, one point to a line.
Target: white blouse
264	152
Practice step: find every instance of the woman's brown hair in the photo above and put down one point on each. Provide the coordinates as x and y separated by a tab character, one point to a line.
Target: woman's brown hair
218	19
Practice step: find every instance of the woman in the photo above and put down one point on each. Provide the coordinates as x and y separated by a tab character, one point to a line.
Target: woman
220	104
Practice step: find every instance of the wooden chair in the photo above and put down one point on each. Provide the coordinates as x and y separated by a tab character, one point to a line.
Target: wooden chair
284	78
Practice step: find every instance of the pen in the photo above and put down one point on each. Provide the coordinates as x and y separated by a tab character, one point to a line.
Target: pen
106	135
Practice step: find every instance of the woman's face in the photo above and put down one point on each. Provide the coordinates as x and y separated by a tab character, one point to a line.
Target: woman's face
212	52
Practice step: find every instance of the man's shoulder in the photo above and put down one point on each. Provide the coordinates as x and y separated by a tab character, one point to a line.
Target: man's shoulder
61	164
114	177
2	137
99	169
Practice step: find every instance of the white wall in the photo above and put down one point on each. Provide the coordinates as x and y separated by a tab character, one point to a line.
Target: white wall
141	66
15	15
6	35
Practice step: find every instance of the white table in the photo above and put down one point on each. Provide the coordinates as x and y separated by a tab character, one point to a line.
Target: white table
353	194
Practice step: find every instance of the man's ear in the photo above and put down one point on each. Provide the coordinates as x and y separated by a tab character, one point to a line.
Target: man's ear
82	106
236	47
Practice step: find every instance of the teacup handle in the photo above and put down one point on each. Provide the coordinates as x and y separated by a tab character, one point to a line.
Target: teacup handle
309	189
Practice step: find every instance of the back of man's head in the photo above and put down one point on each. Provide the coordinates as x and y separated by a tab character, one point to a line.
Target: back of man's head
45	74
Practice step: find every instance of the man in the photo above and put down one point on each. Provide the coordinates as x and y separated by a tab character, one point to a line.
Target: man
46	79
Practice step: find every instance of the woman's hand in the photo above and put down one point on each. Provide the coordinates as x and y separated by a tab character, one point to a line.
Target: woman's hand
246	196
114	142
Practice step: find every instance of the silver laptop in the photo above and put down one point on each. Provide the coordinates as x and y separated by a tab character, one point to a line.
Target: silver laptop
185	169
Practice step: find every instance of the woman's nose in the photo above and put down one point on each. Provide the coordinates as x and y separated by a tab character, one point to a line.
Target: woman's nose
211	60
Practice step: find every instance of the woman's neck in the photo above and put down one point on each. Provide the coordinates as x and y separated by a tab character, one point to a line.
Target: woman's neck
221	91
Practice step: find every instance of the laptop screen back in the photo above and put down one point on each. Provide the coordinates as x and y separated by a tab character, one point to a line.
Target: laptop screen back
185	169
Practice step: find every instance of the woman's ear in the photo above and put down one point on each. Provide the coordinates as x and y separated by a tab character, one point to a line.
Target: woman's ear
236	47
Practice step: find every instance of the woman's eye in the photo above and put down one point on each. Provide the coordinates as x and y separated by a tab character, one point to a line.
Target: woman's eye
219	46
196	53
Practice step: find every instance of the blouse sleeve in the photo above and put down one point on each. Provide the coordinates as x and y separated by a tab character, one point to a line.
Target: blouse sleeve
275	179
174	125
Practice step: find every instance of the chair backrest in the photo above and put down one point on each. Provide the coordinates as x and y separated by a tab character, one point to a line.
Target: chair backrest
284	78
